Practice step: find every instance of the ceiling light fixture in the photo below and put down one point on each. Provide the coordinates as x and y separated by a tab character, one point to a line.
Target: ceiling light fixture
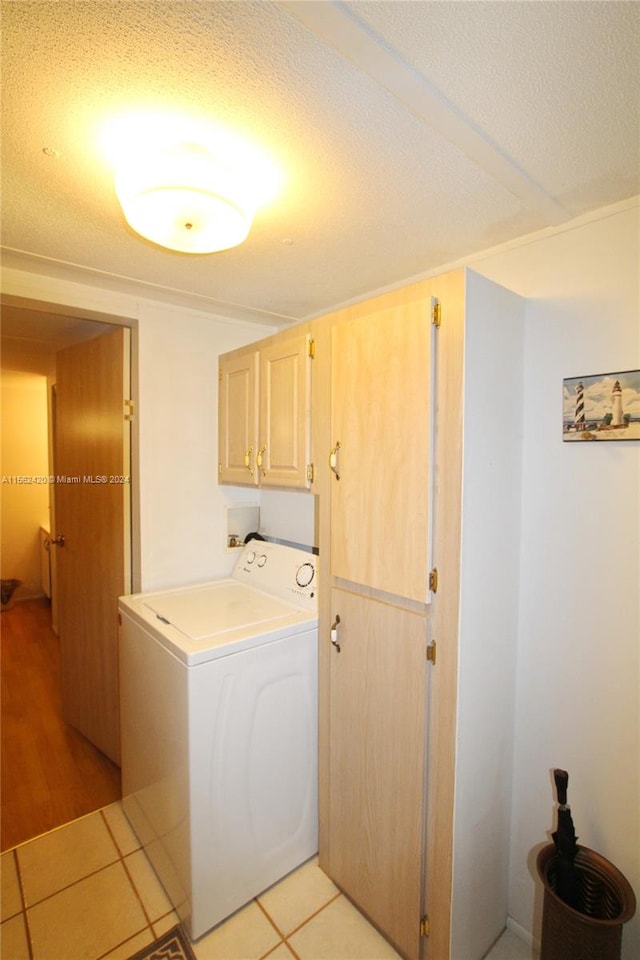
184	182
181	198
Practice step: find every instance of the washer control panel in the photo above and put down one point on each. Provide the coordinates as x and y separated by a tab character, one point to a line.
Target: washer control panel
283	571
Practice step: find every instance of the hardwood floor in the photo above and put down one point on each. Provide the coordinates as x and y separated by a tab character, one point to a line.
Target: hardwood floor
50	774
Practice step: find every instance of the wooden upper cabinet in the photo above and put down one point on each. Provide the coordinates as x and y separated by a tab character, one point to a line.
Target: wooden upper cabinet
238	417
264	414
381	436
285	412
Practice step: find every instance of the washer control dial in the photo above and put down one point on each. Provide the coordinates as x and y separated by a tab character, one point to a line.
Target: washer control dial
305	574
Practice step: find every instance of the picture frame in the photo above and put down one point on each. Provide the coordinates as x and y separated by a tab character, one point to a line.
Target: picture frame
603	406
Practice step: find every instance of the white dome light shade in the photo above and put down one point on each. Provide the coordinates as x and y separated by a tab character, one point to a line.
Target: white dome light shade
183	198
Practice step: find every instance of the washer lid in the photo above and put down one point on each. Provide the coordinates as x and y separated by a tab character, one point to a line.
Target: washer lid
215	608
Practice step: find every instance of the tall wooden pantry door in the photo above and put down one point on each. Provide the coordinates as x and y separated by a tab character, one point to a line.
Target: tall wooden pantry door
381	458
381	412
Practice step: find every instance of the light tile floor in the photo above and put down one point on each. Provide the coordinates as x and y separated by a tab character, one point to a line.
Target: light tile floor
86	891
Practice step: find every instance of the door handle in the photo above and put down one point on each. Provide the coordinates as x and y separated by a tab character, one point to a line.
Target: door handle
247	461
333	460
259	459
57	541
334	633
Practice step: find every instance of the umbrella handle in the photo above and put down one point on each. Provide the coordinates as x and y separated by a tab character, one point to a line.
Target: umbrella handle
561	778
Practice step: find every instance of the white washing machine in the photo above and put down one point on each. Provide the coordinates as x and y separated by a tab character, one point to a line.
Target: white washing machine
218	686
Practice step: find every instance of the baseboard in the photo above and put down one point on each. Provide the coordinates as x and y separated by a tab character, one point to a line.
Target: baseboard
522	933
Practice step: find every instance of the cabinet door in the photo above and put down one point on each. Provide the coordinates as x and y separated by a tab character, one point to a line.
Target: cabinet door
285	400
237	418
377	763
381	390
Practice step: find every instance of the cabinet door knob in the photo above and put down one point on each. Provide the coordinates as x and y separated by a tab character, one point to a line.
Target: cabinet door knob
333	460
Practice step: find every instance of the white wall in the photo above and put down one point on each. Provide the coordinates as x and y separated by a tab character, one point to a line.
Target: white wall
24	502
289	516
578	669
181	505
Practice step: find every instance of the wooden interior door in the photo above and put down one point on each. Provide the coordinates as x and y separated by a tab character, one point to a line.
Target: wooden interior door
238	418
377	763
285	411
92	500
381	410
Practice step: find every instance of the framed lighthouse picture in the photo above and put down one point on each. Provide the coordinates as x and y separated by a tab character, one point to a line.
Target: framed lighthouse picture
604	406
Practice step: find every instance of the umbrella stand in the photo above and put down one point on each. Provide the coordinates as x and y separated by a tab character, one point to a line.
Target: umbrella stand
586	898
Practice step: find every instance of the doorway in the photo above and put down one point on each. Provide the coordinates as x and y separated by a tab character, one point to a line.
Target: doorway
51	773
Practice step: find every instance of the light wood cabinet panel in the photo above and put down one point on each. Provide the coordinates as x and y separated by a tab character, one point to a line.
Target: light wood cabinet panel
413	495
377	763
264	404
285	400
381	409
238	417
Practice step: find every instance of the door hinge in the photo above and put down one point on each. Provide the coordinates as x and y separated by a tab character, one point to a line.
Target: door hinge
425	926
431	652
310	472
312	348
433	580
436	313
128	410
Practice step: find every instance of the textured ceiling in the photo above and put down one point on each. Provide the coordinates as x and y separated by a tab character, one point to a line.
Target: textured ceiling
410	134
